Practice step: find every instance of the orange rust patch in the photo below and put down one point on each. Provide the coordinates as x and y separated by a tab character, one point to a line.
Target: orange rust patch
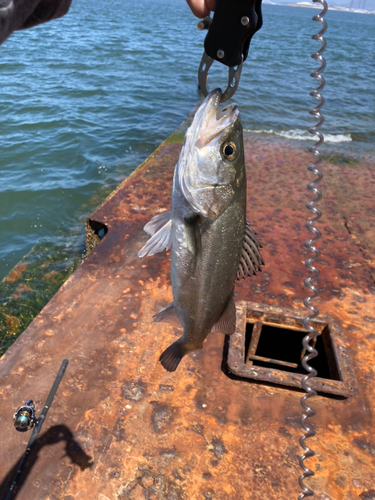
49	275
13	324
21	289
16	273
140	432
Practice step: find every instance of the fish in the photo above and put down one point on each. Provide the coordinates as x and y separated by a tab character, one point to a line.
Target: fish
212	245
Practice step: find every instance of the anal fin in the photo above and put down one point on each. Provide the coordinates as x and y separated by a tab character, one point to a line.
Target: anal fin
227	321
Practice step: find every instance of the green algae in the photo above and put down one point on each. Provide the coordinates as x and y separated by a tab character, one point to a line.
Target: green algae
342	159
38	276
34	281
175	138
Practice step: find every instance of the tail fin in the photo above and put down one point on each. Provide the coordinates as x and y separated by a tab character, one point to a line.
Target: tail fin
172	356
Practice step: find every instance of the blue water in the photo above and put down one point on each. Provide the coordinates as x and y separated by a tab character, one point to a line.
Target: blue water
86	98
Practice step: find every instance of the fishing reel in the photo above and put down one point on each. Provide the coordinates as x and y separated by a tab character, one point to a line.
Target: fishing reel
24	418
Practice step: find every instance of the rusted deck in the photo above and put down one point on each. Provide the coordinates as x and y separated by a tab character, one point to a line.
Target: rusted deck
121	427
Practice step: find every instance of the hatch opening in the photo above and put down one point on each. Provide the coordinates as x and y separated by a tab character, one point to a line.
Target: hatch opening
277	347
267	347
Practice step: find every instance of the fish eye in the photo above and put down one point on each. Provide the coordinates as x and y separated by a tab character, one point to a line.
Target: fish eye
230	151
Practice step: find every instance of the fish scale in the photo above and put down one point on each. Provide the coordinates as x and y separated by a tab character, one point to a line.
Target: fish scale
211	243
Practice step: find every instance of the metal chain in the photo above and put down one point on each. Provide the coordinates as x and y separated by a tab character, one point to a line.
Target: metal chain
310	282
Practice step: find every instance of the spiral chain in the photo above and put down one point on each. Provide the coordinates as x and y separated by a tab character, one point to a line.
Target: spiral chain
310	282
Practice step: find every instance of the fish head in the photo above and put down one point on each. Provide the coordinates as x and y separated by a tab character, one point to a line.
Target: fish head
211	164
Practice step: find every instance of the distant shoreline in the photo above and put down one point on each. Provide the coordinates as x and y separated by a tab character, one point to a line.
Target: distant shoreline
309	5
342	9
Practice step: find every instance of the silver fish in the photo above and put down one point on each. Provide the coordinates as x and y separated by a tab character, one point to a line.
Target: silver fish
212	244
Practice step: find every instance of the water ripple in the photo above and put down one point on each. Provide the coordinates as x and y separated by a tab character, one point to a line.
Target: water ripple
86	98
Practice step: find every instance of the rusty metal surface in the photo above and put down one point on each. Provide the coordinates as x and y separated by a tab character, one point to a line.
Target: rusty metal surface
121	427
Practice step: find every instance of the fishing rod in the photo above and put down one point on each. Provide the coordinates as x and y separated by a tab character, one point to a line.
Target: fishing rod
24	419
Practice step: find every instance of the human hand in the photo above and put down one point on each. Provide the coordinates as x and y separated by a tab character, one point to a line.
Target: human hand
22	14
201	8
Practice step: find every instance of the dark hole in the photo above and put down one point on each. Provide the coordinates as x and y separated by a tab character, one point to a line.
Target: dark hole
286	345
102	232
100	229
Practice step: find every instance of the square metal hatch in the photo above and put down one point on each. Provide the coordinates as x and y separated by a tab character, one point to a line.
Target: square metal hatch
267	346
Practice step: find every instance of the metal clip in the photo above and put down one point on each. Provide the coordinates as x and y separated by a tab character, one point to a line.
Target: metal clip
204	24
233	78
228	39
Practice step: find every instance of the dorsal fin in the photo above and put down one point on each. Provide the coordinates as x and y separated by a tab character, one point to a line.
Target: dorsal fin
251	259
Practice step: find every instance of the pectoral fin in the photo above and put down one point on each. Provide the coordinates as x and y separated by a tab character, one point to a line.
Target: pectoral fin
251	259
168	315
193	236
161	238
227	322
157	222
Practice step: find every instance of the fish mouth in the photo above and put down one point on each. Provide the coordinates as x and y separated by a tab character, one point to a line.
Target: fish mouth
214	120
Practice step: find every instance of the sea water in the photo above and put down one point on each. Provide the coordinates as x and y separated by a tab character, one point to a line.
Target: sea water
84	99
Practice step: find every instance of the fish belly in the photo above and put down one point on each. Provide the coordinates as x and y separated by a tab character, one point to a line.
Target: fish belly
204	271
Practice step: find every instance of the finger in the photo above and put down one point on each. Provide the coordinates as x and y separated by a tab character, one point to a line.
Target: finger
198	8
211	4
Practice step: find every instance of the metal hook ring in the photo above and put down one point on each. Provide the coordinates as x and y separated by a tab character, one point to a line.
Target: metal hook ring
233	77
